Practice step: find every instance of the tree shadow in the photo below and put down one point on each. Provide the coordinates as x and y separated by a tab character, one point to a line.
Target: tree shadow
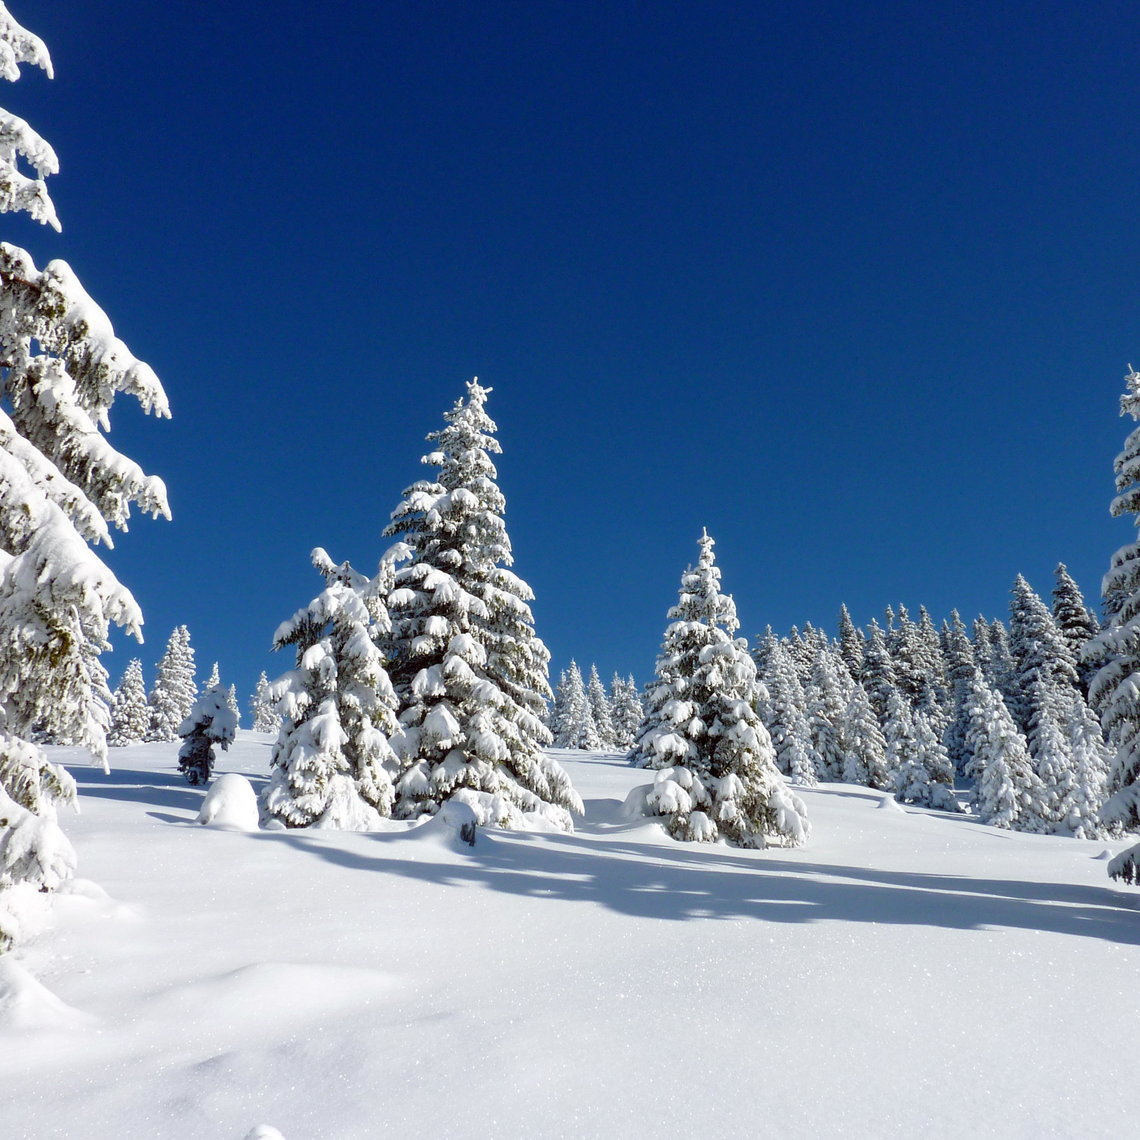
682	883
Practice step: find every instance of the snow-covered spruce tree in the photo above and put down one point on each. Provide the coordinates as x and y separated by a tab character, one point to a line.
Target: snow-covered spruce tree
1114	691
210	722
263	708
174	690
1053	718
213	680
130	714
785	717
1077	623
826	699
961	671
925	775
1007	792
717	775
471	675
851	643
62	486
865	747
332	763
576	727
626	711
878	675
600	707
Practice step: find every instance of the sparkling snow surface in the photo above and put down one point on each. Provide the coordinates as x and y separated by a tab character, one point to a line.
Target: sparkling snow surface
904	974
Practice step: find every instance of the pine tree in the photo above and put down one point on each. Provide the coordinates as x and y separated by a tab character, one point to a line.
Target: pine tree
62	486
1077	623
878	675
577	728
1007	792
961	672
209	723
1114	692
1039	650
214	680
826	709
174	690
865	747
1054	716
600	707
332	763
263	707
923	773
850	643
625	704
785	717
717	775
130	714
470	673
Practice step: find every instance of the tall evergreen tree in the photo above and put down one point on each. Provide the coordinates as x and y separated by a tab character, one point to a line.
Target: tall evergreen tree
130	714
600	707
174	690
332	763
1115	689
1007	791
717	774
786	718
625	704
1040	652
470	674
826	709
865	747
263	707
878	675
576	726
851	643
62	486
961	671
1077	623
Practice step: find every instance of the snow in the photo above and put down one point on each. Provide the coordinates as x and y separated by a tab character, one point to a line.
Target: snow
905	973
230	802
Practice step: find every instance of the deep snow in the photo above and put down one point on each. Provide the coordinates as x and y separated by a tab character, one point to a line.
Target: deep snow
906	973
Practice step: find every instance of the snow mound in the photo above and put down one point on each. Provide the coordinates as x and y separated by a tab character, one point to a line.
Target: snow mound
26	1004
1104	856
264	1132
264	993
230	802
889	803
461	818
636	804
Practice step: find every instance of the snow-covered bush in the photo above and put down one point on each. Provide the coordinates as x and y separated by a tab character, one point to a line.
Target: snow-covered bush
211	722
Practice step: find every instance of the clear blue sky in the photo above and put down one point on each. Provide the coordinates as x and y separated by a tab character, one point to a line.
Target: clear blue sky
851	285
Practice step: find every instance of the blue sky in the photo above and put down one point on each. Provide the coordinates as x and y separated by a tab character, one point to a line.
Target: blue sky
850	285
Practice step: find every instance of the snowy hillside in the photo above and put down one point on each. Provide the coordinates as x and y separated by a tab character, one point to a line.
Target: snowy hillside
906	973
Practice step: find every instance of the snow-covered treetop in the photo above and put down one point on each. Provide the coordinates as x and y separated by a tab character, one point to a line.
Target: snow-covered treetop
700	599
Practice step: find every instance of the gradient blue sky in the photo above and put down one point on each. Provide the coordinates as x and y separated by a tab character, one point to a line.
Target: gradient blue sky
851	285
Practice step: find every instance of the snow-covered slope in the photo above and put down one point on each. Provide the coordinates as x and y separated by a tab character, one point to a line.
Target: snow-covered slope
904	974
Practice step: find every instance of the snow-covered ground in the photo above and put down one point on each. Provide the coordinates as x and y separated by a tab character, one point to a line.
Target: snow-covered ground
905	974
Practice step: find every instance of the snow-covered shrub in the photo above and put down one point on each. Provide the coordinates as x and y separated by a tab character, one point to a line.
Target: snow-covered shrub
211	721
